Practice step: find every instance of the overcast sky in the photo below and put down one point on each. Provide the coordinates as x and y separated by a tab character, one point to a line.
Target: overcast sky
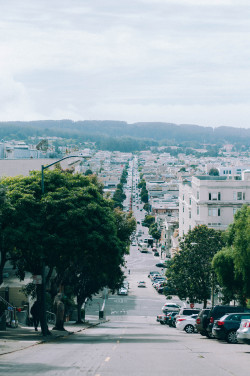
180	61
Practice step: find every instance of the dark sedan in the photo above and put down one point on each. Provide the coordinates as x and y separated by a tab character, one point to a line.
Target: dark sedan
227	326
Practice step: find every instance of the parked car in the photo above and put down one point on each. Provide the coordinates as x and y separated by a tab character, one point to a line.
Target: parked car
153	272
171	319
122	291
160	265
171	307
158	281
125	285
202	321
187	312
243	333
217	312
227	326
141	284
186	323
162	318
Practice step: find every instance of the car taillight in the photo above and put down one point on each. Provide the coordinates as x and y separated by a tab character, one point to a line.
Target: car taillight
246	325
181	319
220	323
198	321
211	320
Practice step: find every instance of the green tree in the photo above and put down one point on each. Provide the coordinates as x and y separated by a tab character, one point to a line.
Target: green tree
148	220
213	172
7	230
234	278
230	282
241	245
191	270
146	207
88	172
154	231
67	228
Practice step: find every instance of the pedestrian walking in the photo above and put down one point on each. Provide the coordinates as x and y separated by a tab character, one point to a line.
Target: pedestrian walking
35	312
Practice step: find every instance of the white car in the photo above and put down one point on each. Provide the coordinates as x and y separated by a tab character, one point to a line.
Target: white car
186	323
122	291
141	284
171	307
243	333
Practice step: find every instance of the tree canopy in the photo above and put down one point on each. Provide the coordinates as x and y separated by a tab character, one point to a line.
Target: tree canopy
232	264
72	228
190	271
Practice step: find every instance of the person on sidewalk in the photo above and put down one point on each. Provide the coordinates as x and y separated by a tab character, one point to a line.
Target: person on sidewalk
35	311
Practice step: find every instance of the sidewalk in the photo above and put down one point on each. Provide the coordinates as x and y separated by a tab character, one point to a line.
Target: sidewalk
16	339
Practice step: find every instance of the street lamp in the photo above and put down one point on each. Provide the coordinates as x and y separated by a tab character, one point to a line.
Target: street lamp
44	326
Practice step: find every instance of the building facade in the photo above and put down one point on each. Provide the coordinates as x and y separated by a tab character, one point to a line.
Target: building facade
211	201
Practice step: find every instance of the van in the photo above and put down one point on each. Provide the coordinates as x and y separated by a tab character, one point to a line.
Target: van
218	311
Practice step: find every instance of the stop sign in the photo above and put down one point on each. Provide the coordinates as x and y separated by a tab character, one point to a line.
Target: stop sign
191	305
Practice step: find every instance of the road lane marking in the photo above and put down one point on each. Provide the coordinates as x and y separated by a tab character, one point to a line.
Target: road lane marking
107	359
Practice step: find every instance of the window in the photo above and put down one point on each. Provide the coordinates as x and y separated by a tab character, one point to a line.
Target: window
214	212
239	195
214	196
234	210
183	197
198	210
198	195
189	227
183	209
189	214
244	196
183	221
190	201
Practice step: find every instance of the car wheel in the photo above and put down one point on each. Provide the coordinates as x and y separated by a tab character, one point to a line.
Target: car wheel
162	323
189	328
232	337
209	335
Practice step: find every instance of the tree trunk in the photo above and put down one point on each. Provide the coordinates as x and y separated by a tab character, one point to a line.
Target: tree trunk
79	310
2	264
59	308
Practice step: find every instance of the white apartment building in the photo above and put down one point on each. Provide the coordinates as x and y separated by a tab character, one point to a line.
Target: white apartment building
211	200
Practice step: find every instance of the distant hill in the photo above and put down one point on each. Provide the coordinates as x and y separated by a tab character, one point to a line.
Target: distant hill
155	131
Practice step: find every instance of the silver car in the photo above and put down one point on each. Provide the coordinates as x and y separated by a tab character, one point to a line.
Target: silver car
243	333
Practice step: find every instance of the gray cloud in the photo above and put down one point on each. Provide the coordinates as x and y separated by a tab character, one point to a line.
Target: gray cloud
160	60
